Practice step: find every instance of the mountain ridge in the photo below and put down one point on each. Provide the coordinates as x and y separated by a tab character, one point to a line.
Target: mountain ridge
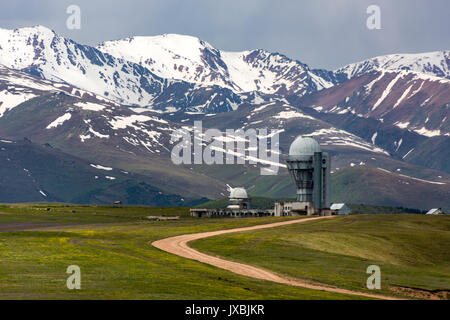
366	116
435	63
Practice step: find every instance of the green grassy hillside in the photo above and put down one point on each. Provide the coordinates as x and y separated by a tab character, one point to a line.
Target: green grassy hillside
358	185
112	247
411	250
370	185
30	172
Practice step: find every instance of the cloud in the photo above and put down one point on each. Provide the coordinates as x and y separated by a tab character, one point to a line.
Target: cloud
322	33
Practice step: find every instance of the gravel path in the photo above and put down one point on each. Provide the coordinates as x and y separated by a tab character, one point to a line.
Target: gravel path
179	246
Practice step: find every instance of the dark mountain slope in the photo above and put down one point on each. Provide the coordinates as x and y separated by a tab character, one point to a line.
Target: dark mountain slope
34	173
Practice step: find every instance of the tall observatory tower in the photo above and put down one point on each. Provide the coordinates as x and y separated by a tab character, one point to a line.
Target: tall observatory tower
310	169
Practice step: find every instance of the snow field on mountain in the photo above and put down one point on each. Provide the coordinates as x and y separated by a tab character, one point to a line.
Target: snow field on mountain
59	121
10	100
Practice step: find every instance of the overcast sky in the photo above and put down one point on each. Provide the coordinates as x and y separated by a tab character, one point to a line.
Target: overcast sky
322	33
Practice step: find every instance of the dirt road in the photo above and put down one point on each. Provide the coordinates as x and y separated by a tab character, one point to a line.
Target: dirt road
179	246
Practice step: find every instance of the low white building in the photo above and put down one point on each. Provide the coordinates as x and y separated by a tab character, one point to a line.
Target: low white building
340	209
435	211
293	208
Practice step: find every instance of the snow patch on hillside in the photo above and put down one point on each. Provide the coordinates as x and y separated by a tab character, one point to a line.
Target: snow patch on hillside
337	137
428	133
59	121
413	178
292	115
123	122
90	106
9	100
388	90
99	167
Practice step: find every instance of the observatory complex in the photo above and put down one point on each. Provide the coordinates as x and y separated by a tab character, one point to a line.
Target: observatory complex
309	168
239	206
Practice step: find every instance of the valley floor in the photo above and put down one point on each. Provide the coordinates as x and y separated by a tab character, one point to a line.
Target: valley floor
112	247
179	245
412	251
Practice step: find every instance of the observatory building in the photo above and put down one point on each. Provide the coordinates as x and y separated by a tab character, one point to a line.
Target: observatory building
309	167
238	199
238	206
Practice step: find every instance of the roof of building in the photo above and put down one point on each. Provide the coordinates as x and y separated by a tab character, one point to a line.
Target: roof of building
434	211
303	145
238	193
337	206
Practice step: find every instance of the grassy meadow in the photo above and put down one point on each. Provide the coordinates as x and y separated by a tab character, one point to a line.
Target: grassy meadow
112	247
412	251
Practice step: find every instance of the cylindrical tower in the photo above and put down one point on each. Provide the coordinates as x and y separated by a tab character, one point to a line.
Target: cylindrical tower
301	166
310	169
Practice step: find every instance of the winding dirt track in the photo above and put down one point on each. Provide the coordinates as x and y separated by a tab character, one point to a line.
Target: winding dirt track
179	246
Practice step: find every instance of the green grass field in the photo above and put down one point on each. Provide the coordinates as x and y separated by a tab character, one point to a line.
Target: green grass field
112	247
413	252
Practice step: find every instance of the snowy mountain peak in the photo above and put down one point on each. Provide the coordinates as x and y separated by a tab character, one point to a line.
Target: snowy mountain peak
172	56
30	34
435	63
20	47
183	46
41	52
37	29
190	59
137	70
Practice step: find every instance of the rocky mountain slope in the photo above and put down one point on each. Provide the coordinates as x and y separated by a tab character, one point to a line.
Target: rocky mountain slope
35	173
190	59
41	52
402	112
117	106
431	63
405	99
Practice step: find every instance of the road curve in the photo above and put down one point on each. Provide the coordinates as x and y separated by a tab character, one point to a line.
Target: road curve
179	246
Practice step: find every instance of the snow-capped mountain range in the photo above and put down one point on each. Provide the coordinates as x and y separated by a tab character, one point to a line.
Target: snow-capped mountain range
431	63
137	70
408	100
190	59
126	97
40	51
175	81
176	72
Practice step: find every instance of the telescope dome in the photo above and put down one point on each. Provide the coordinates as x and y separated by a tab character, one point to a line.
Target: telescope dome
304	146
238	193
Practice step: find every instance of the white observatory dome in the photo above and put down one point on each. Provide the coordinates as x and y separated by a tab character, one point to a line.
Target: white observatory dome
238	193
304	146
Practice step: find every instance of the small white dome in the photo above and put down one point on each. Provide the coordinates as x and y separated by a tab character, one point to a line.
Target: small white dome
304	146
238	193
